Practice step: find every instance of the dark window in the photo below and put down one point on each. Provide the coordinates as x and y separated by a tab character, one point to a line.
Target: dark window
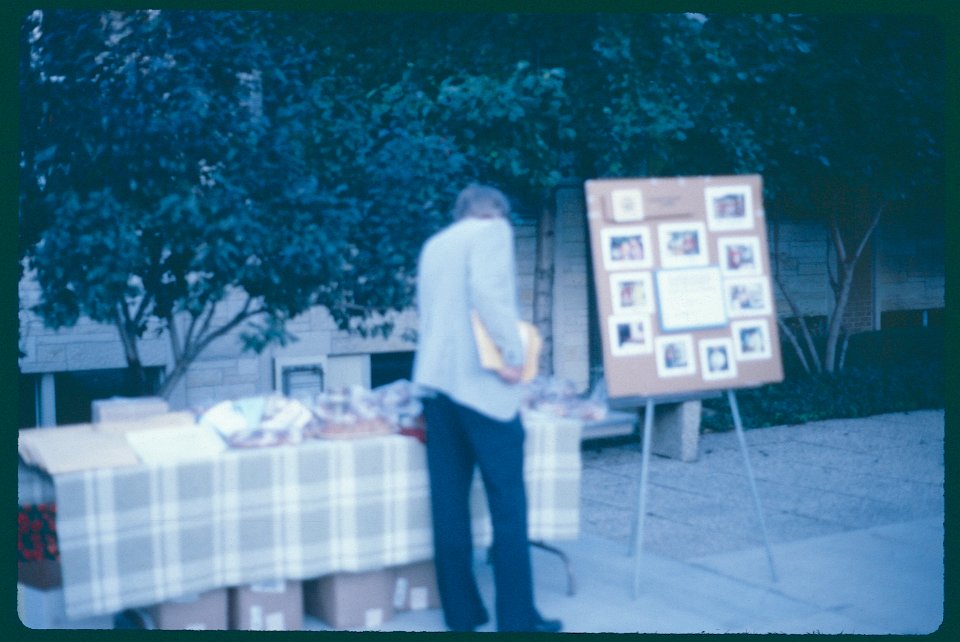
911	318
29	400
76	390
387	367
901	319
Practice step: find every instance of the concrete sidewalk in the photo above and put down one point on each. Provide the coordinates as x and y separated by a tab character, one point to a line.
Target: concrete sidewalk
853	510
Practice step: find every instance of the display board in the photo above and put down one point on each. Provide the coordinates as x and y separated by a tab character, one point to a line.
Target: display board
682	276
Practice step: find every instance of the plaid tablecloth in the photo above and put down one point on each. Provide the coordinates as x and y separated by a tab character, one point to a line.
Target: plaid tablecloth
137	536
34	486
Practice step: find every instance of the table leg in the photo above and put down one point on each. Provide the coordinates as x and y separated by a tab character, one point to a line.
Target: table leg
571	584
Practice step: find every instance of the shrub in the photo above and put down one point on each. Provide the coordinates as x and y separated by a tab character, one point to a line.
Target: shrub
887	371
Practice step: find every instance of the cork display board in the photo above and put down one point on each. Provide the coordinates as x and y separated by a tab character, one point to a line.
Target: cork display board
682	276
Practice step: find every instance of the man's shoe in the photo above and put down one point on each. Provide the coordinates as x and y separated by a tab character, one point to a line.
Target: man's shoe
547	626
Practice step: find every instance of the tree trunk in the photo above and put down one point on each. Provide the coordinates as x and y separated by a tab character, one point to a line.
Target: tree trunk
186	347
173	378
138	376
543	284
846	265
845	274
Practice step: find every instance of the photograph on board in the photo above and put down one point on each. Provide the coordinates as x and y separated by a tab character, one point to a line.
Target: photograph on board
717	360
729	207
627	205
629	335
675	357
751	339
632	292
747	296
683	245
626	247
739	255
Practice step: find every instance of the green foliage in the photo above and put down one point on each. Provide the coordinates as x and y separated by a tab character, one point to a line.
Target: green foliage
171	158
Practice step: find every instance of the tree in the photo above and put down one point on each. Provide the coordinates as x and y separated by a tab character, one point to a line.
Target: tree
167	165
843	117
171	159
863	135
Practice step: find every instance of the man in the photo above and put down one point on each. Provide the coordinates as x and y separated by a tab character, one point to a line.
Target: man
472	414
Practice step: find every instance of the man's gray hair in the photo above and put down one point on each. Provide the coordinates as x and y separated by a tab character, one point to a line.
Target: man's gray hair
481	201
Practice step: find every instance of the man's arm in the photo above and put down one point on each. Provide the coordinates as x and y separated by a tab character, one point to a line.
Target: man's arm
493	293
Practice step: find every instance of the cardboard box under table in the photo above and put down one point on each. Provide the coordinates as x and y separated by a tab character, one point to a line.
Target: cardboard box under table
362	600
415	587
147	534
267	606
206	611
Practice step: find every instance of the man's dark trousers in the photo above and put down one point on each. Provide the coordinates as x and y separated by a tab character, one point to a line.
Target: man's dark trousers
458	439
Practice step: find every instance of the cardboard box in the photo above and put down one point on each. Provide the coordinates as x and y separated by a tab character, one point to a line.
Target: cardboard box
39	609
150	422
267	606
67	449
42	574
351	600
415	587
124	408
200	612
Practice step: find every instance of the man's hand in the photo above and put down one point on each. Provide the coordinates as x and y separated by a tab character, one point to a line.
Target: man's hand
511	374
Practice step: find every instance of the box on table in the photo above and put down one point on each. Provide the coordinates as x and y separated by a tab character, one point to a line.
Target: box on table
415	587
267	606
46	609
42	574
125	408
68	449
199	612
351	600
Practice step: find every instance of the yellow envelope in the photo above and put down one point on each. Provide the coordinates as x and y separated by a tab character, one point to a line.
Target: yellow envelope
490	357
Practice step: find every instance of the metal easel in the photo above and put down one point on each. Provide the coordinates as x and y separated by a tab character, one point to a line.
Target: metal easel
637	536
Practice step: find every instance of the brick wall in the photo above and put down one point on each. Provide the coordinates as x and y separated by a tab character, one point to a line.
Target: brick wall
859	315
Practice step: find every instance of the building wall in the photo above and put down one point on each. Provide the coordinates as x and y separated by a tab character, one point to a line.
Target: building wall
571	348
224	370
902	269
799	253
911	267
906	273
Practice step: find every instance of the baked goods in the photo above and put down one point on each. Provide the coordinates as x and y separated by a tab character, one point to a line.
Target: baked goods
348	413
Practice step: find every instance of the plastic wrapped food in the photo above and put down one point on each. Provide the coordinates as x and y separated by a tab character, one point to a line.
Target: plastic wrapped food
348	413
257	422
559	397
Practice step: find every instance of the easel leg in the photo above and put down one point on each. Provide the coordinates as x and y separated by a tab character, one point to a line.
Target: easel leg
642	499
732	398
